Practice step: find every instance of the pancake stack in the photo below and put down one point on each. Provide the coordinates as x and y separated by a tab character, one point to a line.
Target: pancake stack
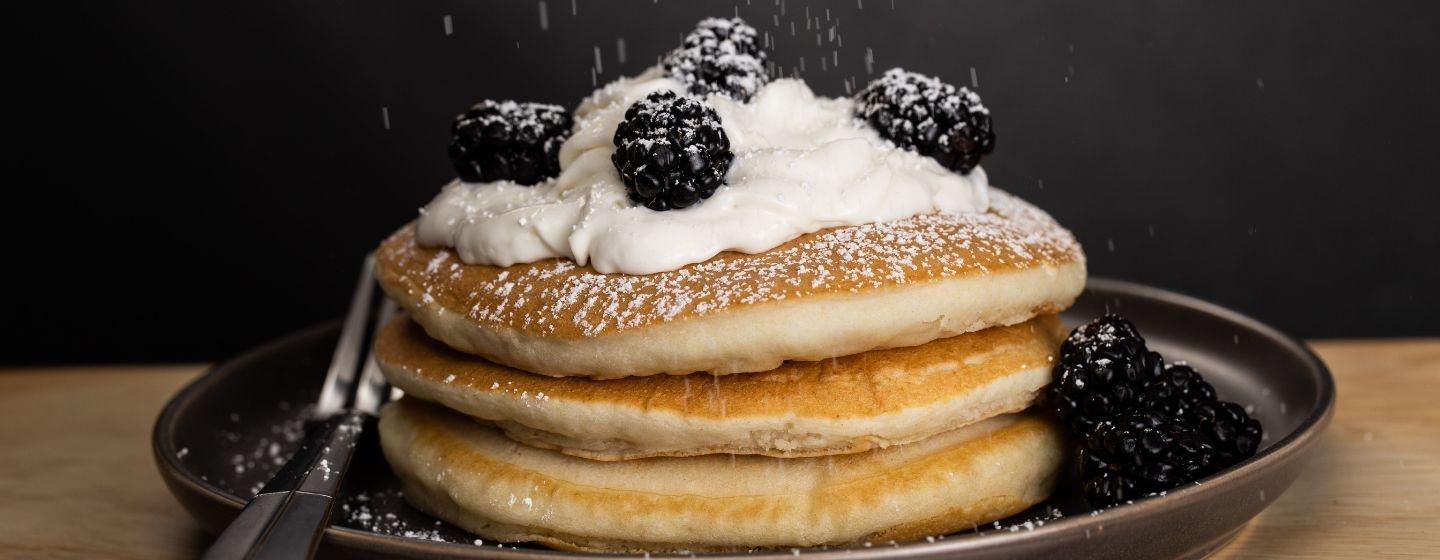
857	384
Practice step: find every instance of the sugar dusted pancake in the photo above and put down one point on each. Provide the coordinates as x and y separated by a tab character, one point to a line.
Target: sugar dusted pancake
831	293
472	476
841	405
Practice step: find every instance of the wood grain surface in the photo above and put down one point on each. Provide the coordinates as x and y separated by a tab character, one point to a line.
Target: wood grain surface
77	479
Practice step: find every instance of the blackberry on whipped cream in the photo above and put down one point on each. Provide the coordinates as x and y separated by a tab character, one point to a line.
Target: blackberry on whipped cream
719	56
508	141
670	151
931	117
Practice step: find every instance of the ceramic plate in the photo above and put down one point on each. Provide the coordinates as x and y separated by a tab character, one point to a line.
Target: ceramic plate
222	436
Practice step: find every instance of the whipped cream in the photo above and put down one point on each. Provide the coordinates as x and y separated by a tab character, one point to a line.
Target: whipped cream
802	163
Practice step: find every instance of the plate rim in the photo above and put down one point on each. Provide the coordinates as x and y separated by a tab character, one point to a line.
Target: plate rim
1297	442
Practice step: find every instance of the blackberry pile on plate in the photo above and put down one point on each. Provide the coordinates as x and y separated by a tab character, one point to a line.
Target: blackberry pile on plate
671	151
1144	427
719	56
928	116
506	140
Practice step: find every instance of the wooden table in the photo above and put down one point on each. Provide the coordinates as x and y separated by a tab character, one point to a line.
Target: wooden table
77	479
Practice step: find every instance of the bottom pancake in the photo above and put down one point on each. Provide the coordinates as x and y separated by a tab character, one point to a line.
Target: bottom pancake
471	475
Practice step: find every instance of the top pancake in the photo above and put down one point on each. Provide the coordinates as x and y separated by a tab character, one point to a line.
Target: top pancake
831	293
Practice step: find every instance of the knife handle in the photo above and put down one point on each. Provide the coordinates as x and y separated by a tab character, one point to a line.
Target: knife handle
287	519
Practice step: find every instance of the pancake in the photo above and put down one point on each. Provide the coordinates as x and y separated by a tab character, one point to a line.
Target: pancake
835	292
472	476
842	405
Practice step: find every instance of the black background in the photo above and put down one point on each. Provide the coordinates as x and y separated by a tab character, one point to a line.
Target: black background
192	178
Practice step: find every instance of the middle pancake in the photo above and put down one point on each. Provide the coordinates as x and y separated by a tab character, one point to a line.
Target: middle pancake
801	409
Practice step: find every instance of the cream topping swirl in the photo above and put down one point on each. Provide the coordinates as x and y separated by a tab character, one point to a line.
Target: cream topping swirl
802	163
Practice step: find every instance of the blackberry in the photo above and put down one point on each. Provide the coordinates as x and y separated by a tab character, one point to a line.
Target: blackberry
719	56
1104	368
928	116
1144	426
671	151
1138	454
1234	435
506	140
1183	394
1177	393
1106	329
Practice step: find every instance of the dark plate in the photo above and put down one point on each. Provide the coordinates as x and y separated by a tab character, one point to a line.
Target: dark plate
223	435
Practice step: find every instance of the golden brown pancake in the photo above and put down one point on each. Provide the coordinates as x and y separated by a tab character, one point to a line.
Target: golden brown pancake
831	293
843	405
472	476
